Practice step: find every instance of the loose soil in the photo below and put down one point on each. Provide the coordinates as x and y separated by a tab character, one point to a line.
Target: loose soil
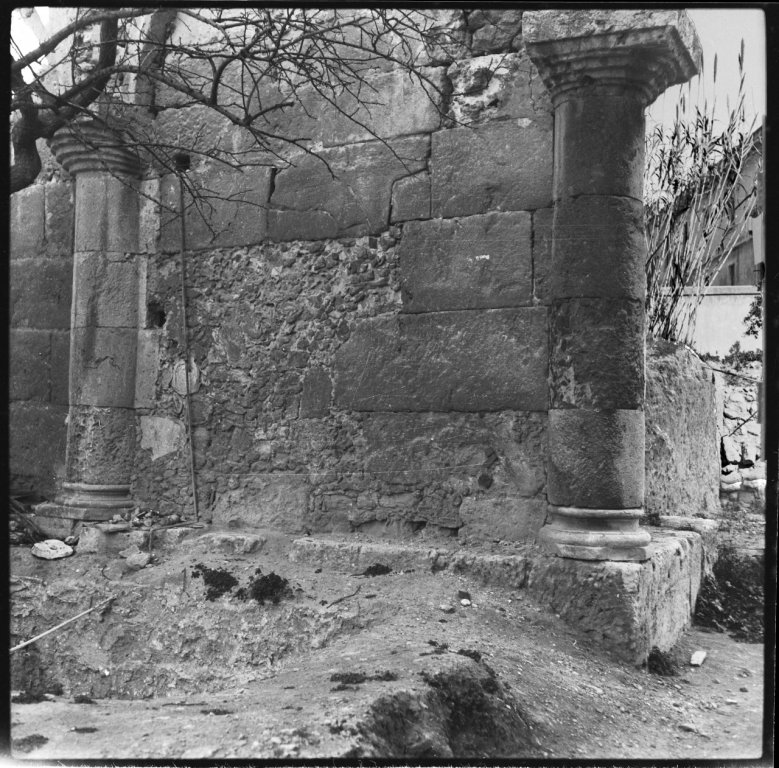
393	665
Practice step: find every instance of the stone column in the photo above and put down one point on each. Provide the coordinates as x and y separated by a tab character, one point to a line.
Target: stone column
101	419
602	68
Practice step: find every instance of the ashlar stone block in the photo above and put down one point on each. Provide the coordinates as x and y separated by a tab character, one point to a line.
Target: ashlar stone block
351	197
475	262
446	361
506	166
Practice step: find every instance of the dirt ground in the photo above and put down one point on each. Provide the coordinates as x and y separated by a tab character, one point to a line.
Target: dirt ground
404	670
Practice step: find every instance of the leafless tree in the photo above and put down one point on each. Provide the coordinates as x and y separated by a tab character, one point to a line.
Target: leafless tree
130	67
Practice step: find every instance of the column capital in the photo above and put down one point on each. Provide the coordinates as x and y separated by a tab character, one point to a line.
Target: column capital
89	146
644	51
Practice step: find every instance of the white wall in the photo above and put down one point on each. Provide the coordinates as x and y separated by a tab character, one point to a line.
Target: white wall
720	321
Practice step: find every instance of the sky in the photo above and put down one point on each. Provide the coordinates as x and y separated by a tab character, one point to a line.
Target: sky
720	31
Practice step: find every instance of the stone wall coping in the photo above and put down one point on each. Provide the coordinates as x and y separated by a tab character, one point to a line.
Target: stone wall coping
647	51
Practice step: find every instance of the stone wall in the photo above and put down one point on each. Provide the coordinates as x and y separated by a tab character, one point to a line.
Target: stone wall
368	326
41	266
370	345
682	441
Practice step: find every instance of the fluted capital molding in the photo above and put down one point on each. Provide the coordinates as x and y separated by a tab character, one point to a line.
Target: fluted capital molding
88	146
641	51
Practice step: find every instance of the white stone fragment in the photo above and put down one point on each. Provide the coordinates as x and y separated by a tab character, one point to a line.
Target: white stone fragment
697	658
51	549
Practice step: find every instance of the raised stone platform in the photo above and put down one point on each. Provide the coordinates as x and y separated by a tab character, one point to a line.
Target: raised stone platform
627	607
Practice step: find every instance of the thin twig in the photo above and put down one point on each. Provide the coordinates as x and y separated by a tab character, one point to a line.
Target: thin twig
345	597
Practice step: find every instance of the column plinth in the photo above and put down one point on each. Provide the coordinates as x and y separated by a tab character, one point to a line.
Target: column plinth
602	68
101	417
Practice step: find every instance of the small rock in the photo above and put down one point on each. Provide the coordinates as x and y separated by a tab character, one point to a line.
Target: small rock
51	549
688	727
133	549
731	450
465	601
744	689
446	608
139	560
731	478
697	658
199	753
731	701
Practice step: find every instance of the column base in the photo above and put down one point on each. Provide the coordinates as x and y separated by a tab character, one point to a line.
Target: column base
82	502
595	534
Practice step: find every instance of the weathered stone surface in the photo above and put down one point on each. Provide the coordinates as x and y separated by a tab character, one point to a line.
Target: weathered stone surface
411	198
503	166
317	394
596	357
495	30
404	106
105	291
351	198
27	227
461	361
29	365
94	539
33	462
628	607
102	371
542	254
40	293
101	443
599	248
682	450
596	459
233	210
112	227
59	368
582	124
229	543
487	88
278	503
161	435
59	218
147	368
470	263
501	519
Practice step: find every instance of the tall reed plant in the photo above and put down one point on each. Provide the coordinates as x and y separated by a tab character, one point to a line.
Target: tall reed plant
700	187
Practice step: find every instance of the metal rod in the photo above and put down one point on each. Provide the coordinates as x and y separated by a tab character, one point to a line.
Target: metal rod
59	626
183	244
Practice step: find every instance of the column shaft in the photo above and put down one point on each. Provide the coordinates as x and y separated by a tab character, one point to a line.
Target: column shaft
601	74
104	325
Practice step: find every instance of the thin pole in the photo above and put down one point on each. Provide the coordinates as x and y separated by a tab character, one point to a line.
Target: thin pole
59	626
183	246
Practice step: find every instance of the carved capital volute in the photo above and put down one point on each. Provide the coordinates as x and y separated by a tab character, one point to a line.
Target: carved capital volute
623	51
88	146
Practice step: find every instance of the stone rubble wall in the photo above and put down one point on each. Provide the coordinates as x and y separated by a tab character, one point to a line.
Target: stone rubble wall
371	344
743	478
